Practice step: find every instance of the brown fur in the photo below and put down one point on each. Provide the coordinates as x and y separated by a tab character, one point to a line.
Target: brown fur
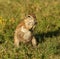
23	33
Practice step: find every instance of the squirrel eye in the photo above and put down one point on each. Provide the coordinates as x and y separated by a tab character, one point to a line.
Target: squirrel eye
28	15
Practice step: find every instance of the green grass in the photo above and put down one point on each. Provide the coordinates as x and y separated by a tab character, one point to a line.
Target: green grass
47	31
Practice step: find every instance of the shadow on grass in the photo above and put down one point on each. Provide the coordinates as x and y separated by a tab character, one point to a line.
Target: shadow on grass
40	36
